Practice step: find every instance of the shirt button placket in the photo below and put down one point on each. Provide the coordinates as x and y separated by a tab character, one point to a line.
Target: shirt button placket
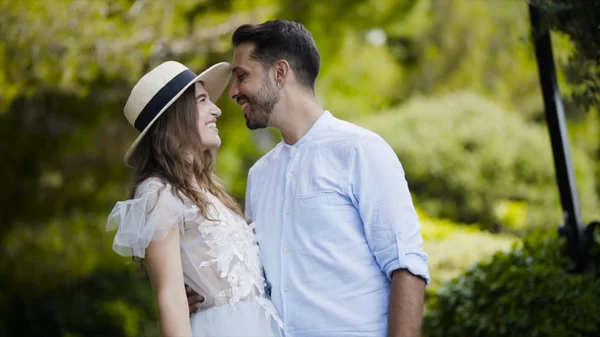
287	221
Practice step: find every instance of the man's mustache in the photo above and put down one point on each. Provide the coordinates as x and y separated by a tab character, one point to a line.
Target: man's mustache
242	98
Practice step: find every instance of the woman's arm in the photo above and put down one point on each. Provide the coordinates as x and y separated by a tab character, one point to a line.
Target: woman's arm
163	259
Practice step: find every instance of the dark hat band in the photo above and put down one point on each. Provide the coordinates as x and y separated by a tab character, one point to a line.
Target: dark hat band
162	97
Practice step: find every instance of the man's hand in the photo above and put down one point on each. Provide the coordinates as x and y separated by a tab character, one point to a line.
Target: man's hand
194	300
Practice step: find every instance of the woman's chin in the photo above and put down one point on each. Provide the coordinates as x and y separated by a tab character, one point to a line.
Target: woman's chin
212	144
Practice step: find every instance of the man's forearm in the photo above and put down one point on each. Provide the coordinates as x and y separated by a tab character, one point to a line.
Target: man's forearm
406	305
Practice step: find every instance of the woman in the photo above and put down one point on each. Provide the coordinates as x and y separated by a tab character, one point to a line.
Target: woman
179	219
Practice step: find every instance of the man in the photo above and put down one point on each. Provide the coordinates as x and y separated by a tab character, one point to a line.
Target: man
339	236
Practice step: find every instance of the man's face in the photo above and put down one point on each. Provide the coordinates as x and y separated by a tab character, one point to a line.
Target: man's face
252	88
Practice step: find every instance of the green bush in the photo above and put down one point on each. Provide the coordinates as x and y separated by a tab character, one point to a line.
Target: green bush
525	292
116	303
62	279
454	247
469	160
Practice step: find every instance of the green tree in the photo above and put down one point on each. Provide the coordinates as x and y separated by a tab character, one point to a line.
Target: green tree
466	158
579	20
480	46
66	68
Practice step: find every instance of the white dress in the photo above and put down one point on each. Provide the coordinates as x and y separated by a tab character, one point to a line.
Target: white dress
220	258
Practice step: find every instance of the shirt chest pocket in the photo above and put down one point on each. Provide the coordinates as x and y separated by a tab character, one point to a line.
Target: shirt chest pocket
328	216
324	199
326	209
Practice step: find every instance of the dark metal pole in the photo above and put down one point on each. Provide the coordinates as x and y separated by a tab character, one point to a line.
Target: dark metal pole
572	228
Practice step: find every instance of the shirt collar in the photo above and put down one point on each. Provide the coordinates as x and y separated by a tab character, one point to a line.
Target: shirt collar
314	131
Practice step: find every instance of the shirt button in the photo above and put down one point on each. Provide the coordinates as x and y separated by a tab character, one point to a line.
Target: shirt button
286	289
290	175
287	211
400	235
285	250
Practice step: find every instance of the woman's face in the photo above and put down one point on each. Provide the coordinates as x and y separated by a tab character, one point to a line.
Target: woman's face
208	113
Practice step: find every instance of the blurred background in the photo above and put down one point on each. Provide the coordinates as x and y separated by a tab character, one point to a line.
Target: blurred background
452	85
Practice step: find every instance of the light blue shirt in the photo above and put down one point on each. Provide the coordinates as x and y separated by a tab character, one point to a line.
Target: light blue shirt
334	219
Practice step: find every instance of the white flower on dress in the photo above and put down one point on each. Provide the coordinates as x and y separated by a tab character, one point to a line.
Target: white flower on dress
234	250
232	278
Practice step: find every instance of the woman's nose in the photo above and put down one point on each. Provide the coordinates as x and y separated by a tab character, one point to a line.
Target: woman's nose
215	111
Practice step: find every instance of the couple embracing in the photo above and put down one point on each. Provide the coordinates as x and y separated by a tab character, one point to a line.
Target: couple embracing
340	244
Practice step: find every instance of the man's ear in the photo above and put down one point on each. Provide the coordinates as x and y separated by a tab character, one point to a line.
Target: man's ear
282	69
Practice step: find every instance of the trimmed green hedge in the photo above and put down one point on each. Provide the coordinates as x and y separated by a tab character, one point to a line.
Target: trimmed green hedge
525	292
469	160
454	247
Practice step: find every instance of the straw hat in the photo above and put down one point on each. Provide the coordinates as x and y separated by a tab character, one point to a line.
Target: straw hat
162	86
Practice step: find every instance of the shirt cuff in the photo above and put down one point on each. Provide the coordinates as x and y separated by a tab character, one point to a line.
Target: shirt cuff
412	259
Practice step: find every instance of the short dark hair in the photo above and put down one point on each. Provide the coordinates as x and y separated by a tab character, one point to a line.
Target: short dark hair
281	39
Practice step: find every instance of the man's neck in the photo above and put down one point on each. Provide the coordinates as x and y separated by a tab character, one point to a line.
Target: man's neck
297	118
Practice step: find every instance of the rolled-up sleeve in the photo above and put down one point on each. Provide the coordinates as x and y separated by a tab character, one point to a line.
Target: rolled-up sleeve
380	192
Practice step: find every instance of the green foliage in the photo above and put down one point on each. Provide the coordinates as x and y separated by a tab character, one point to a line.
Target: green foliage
449	256
525	292
480	46
579	20
103	303
465	157
379	53
512	214
62	279
66	68
358	73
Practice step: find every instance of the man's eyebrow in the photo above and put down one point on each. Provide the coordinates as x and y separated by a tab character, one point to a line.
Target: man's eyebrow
202	95
236	68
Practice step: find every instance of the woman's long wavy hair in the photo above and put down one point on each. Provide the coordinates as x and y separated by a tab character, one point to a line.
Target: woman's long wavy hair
171	151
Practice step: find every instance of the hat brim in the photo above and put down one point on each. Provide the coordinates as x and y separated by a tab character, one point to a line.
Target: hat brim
214	79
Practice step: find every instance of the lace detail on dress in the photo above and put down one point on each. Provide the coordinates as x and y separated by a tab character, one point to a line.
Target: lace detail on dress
230	269
270	310
234	250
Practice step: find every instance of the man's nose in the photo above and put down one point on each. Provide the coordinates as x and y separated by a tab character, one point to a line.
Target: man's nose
233	91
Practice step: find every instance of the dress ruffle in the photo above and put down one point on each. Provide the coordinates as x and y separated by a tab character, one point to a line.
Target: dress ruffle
148	217
219	254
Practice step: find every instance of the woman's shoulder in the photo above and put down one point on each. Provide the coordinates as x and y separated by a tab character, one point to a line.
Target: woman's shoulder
148	216
151	185
158	191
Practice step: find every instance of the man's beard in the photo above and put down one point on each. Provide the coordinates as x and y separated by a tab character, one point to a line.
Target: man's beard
261	106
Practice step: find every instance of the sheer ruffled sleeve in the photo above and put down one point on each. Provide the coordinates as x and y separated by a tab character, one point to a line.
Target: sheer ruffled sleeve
150	216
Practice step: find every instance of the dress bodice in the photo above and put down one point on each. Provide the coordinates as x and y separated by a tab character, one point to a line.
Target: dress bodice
220	256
